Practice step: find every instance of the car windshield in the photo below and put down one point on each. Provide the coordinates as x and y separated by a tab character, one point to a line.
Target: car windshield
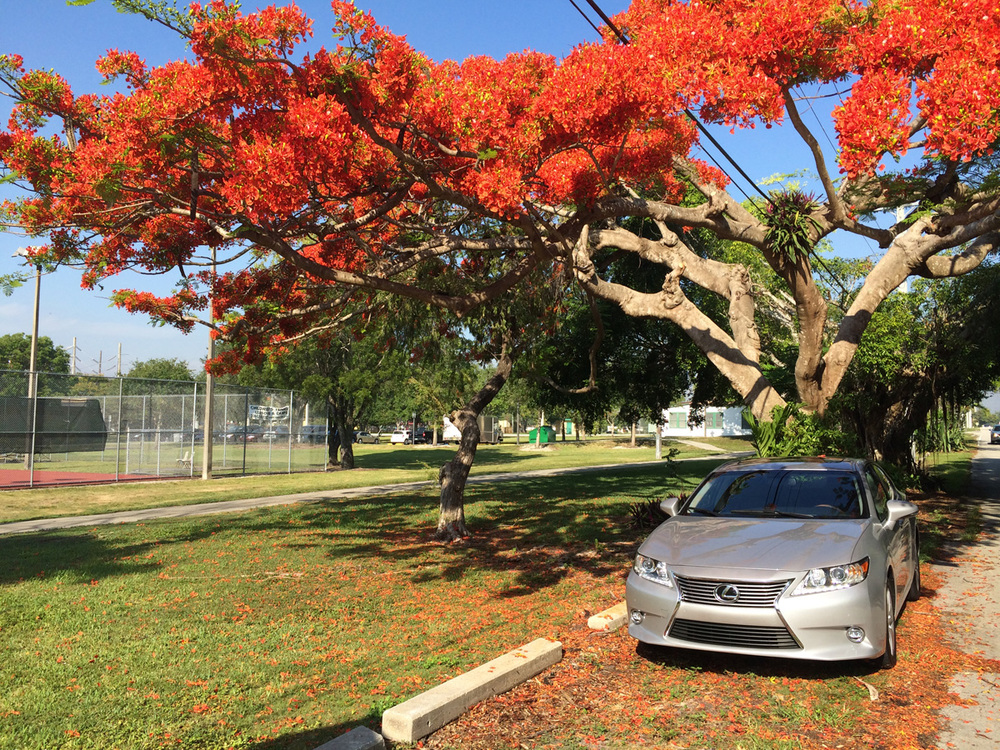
779	493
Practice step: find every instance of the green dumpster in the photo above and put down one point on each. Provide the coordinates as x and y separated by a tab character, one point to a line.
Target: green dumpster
548	434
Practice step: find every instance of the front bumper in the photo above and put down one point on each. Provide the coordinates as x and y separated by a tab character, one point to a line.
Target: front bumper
812	626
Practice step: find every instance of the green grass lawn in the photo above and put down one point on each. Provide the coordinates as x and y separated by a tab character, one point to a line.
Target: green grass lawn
279	629
282	627
377	465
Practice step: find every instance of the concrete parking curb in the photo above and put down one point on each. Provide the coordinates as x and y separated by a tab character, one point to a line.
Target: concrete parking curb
426	713
610	619
361	738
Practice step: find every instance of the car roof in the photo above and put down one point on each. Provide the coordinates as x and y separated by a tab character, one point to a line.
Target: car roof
806	463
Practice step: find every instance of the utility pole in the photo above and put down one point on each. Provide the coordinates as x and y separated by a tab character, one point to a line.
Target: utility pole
29	458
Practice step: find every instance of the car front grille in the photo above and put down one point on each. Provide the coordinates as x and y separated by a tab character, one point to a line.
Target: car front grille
720	593
742	636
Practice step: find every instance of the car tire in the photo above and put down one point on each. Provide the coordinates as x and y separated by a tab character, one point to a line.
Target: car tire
888	659
376	441
913	593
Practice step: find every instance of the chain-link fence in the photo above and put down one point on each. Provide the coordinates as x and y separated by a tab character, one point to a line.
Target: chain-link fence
73	429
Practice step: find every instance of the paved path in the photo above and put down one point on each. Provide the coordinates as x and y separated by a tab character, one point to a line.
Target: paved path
969	601
234	506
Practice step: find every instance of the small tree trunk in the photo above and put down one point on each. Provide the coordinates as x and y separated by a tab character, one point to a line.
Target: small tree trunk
633	434
341	449
453	477
346	448
332	446
454	474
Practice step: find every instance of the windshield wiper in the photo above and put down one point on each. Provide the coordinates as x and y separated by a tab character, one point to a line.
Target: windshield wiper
769	514
702	511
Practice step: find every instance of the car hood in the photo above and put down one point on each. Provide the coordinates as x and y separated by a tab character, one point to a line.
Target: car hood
754	543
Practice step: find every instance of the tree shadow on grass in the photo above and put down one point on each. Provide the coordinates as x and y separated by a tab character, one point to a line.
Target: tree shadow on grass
85	557
310	739
94	554
539	529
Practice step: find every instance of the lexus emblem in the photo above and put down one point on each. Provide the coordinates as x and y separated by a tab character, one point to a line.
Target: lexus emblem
727	593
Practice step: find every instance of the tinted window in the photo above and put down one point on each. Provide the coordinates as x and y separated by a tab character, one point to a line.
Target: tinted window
733	492
805	494
820	494
880	493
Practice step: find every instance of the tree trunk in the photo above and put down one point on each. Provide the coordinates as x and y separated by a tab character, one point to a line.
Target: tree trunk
885	426
454	474
342	446
332	445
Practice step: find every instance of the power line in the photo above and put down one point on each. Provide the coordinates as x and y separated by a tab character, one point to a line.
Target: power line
585	16
625	40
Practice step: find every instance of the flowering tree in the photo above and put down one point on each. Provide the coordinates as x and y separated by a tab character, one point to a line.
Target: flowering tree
371	169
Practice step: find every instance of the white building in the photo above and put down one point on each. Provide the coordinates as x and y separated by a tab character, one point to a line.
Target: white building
719	421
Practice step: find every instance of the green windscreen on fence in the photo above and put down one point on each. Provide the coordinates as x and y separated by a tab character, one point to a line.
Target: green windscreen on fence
63	424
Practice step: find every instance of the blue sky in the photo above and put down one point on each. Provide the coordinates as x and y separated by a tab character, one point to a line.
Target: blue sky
49	34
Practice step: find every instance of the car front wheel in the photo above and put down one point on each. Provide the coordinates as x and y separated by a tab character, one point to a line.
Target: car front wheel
914	591
888	659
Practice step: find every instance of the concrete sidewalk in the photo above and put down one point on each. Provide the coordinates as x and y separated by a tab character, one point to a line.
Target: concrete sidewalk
969	601
236	506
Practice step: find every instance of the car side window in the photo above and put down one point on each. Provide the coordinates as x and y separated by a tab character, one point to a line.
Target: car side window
880	493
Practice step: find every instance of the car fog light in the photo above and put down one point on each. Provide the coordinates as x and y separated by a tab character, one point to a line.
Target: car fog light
855	635
637	617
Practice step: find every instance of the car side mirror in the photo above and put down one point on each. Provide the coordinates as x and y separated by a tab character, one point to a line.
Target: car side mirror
899	509
671	505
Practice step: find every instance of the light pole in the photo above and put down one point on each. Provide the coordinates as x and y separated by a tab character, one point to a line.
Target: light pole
23	252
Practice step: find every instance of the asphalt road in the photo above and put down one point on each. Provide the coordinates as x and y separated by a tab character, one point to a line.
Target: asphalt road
969	601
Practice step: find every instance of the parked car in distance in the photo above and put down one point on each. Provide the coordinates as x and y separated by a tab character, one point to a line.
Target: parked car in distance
400	436
249	434
995	434
313	433
278	432
796	558
426	436
366	437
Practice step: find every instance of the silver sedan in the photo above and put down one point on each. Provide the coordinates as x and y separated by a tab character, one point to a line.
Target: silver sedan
797	558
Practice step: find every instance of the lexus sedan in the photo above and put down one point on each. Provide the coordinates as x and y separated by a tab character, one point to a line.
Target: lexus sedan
797	558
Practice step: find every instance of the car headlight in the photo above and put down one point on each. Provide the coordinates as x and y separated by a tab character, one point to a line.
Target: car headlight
652	570
833	578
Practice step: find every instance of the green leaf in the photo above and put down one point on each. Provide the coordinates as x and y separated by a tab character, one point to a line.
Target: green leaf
79	2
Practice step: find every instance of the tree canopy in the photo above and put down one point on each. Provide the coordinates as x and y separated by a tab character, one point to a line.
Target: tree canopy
370	168
161	368
15	354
